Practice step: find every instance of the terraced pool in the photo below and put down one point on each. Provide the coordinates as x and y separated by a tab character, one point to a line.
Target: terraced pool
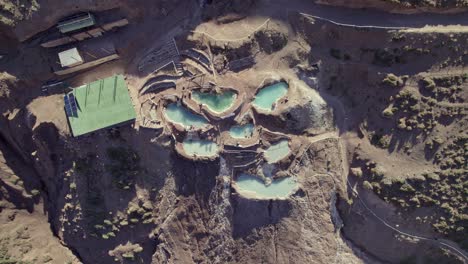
176	113
277	151
244	131
269	95
200	148
216	102
252	186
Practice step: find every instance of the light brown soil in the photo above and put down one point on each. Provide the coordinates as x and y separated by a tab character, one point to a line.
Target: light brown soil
27	237
176	210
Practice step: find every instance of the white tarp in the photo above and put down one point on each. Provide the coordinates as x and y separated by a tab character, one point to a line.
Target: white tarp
70	58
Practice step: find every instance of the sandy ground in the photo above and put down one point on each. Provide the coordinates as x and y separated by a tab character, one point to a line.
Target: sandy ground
47	109
439	29
184	195
235	31
28	238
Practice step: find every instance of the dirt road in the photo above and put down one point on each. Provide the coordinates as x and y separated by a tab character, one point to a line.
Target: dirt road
367	17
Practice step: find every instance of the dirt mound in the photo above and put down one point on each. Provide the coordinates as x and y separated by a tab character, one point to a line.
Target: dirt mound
306	111
271	41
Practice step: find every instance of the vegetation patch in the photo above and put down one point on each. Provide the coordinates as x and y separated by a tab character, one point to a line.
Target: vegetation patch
127	252
431	3
413	112
392	80
14	11
94	208
445	190
136	213
5	257
388	57
379	140
123	165
445	88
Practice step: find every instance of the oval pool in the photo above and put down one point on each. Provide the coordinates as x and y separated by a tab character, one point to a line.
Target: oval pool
178	114
244	131
266	98
252	186
216	102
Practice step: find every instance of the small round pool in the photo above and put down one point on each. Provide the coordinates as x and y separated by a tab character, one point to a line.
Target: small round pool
176	113
244	131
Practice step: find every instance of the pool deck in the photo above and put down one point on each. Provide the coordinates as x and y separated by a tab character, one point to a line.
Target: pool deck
242	153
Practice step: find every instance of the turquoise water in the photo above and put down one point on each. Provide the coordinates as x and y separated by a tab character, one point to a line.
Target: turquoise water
202	148
244	131
216	102
268	95
277	151
181	115
280	188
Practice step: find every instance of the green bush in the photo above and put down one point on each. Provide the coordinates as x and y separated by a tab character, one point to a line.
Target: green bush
398	37
35	192
407	188
129	256
388	112
367	185
138	249
428	83
381	141
392	80
357	172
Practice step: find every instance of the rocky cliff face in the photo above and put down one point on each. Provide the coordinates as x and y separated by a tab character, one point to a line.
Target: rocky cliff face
25	186
228	228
